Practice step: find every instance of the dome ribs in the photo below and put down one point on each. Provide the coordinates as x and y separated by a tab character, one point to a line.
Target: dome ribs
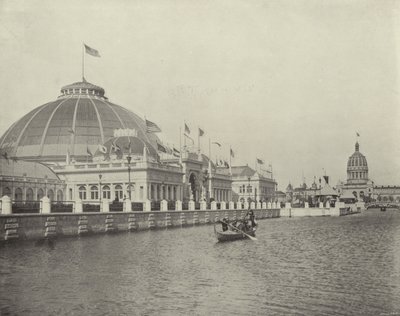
99	120
47	126
72	140
115	112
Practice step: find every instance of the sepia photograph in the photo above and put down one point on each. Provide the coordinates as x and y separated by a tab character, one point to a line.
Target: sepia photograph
208	157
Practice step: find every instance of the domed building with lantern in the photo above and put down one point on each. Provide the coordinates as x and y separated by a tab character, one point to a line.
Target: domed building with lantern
95	149
358	183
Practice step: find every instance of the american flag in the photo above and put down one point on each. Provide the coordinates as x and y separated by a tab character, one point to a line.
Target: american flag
91	51
152	127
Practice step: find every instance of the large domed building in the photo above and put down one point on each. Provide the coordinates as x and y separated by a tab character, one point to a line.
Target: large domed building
74	124
358	182
99	150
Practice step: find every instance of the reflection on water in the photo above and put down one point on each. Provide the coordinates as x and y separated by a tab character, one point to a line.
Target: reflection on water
304	266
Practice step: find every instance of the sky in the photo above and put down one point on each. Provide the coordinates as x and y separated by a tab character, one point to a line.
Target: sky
288	82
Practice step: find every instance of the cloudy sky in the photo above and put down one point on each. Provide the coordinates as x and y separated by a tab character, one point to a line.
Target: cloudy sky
289	82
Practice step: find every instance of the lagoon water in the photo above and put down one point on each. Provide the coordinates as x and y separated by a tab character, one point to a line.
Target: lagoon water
298	266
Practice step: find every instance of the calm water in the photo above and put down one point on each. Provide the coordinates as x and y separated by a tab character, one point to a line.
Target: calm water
304	266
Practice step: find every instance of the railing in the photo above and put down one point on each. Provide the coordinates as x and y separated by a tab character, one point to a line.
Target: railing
116	206
137	206
62	207
171	205
155	206
28	207
91	208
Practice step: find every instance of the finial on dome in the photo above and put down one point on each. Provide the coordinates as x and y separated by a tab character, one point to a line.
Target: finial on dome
357	146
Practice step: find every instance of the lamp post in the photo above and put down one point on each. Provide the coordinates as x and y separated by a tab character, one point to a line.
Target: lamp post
129	158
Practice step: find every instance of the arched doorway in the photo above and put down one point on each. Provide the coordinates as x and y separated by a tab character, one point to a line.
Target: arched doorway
192	186
40	194
29	194
18	194
50	194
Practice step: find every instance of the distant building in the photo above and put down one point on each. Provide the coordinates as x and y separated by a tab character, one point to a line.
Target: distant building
388	193
358	182
251	185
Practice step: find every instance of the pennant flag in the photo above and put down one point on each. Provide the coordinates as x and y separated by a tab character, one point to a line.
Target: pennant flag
71	131
259	161
102	149
201	132
88	151
232	153
226	164
91	51
175	152
152	127
187	129
161	148
358	135
326	178
216	143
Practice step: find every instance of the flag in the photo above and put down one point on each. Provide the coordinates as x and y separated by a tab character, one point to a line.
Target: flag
259	161
189	138
102	149
216	143
5	155
326	178
71	131
152	127
91	51
232	153
201	132
88	151
161	148
358	134
187	129
175	152
226	164
115	147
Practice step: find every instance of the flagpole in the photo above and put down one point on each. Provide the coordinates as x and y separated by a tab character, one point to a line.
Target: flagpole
180	142
198	139
230	160
83	63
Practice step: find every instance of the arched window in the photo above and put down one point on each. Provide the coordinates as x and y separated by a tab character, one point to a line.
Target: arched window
106	192
7	191
40	194
94	192
82	192
119	193
50	194
18	194
29	194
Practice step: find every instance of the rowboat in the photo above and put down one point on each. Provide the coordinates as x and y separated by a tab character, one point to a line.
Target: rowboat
230	235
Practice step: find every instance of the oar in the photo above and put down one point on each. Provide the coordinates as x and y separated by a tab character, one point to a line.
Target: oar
235	228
